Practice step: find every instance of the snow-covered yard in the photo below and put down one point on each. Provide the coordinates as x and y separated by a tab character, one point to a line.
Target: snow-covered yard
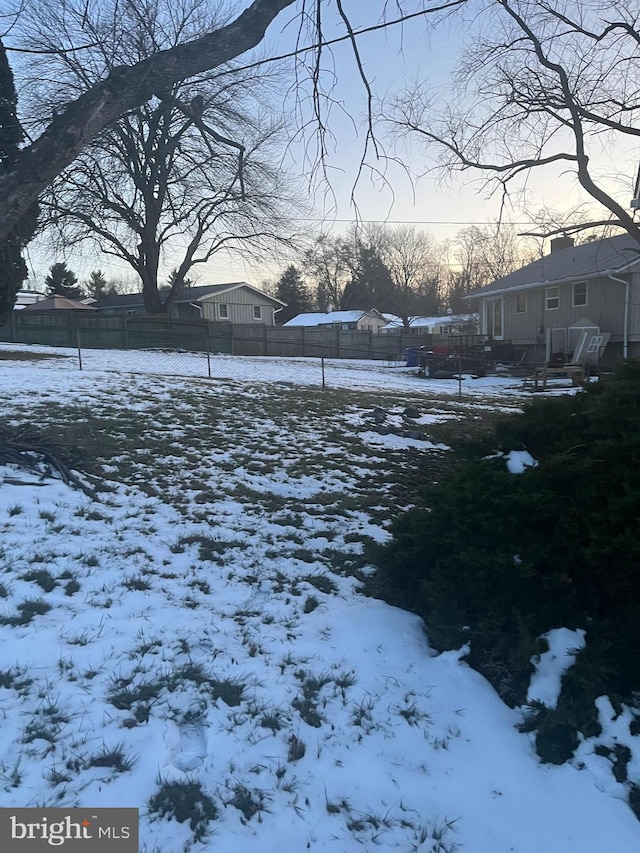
195	632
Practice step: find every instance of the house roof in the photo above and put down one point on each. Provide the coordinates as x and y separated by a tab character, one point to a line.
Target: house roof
331	318
590	260
57	303
186	294
192	293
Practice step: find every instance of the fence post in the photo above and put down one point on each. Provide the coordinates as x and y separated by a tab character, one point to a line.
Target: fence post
304	341
79	349
126	332
337	341
322	368
208	351
266	339
459	359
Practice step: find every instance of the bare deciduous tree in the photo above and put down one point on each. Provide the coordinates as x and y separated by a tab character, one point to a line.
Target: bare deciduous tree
543	84
178	178
479	255
128	86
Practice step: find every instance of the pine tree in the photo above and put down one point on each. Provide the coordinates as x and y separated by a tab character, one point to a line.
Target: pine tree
292	290
97	285
371	285
62	281
13	269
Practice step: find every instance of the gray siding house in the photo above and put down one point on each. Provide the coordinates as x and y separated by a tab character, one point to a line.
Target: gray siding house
236	302
578	301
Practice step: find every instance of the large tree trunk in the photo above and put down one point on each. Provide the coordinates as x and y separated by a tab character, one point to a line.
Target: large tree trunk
124	88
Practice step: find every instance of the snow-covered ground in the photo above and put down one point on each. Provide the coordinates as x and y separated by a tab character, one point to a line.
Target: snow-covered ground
196	633
338	373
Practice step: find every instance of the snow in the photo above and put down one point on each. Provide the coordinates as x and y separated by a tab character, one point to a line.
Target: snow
359	374
519	460
198	576
551	665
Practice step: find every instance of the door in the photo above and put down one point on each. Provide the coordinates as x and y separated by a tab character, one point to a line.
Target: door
494	318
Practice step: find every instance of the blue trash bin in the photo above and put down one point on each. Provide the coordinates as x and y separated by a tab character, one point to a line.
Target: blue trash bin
411	356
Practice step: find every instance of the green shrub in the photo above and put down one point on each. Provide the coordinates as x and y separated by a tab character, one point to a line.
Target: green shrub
495	559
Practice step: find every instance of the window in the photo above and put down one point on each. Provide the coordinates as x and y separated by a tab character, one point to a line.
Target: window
594	344
552	298
521	303
257	312
223	311
579	294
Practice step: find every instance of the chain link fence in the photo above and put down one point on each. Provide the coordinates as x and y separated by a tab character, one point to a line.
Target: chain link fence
460	366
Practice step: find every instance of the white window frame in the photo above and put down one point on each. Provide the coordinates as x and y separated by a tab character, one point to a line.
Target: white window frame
522	295
548	298
257	312
223	310
573	294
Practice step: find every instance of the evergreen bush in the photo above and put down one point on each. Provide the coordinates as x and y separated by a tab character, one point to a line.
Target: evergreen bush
496	559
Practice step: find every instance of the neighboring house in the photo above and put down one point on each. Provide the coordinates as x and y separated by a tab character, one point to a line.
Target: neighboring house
569	304
370	321
56	303
449	324
28	297
236	302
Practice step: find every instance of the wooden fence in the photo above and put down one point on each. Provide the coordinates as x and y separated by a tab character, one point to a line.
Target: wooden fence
76	329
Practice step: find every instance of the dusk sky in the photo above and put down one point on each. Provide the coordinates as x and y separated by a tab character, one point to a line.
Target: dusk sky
393	58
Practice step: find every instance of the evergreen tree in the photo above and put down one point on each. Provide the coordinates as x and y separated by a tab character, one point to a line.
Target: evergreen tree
292	290
13	269
62	281
97	285
371	285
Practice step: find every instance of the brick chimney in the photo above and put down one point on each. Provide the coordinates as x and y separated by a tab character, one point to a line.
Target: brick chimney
561	243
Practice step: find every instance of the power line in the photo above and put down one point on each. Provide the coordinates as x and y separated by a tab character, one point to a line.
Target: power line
404	221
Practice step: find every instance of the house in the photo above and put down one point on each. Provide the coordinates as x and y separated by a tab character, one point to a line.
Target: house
56	303
28	297
235	302
449	324
569	304
369	321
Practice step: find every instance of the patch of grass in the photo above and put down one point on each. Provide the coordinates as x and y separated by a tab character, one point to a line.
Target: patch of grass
16	509
27	611
210	549
71	588
14	678
124	694
322	583
229	690
310	604
42	577
113	758
39	730
56	777
305	555
271	720
297	748
185	801
138	583
243	800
